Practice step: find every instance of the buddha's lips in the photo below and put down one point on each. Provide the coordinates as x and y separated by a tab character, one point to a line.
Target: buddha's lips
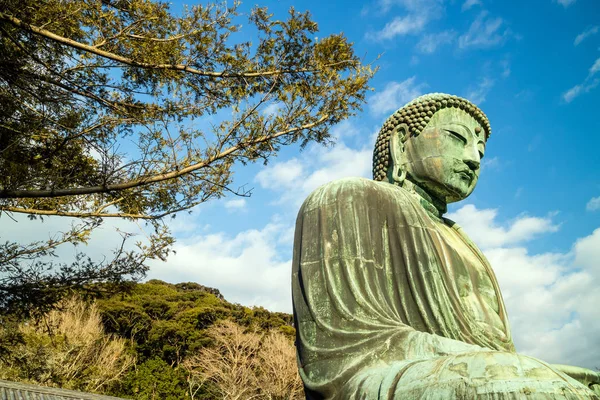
466	172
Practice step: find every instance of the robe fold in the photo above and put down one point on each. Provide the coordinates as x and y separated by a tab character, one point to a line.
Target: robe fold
384	309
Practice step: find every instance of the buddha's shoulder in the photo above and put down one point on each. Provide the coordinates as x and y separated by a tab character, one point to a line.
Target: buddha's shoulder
356	191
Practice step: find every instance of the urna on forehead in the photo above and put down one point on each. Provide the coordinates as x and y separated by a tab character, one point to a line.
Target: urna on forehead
415	115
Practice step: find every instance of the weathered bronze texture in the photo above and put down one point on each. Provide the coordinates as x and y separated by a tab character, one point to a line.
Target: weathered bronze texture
394	301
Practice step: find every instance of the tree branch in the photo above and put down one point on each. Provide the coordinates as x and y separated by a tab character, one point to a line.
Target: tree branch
7	194
35	211
177	67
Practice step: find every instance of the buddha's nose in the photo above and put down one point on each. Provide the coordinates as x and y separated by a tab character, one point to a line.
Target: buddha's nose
471	157
472	164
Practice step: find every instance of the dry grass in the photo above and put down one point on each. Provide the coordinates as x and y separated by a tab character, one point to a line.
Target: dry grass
68	348
245	365
278	369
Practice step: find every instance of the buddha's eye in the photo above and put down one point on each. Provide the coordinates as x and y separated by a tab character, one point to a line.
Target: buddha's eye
481	150
457	135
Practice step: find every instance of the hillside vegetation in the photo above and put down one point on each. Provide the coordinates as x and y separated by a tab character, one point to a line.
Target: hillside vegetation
159	341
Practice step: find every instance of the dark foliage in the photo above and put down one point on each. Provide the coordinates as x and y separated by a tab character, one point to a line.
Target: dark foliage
166	322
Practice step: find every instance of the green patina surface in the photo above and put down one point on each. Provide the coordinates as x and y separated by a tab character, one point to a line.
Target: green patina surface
394	301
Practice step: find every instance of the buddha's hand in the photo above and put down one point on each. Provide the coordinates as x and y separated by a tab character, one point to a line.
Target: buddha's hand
595	388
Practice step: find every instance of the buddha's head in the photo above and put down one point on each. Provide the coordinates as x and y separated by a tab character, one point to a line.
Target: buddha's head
436	141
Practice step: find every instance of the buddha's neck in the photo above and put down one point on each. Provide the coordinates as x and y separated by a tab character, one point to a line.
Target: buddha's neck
431	204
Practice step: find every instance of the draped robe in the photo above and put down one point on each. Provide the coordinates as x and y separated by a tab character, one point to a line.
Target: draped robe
380	312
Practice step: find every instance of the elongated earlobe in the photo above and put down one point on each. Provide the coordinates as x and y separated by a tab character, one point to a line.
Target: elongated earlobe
396	173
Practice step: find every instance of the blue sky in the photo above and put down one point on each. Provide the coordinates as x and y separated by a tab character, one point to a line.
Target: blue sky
522	65
533	67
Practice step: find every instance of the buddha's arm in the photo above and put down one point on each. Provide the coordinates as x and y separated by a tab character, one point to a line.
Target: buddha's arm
427	344
583	375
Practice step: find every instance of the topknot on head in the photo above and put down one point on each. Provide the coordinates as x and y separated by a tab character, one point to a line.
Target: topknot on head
415	115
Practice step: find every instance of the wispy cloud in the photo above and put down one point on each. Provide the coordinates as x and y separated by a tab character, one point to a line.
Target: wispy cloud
505	64
525	95
565	3
593	204
589	83
429	43
469	4
412	6
580	89
235	204
490	163
535	142
478	93
585	34
596	67
395	95
400	26
418	14
484	32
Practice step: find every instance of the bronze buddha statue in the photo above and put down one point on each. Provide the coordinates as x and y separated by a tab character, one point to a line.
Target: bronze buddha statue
394	301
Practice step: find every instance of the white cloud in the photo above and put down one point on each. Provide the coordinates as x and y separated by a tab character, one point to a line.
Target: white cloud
339	162
480	224
470	3
395	95
565	3
343	130
587	253
484	32
101	244
551	298
429	43
281	174
585	34
589	83
246	268
478	93
317	166
294	179
418	14
236	204
400	26
593	204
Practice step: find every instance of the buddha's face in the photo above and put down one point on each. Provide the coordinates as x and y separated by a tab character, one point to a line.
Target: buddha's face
444	159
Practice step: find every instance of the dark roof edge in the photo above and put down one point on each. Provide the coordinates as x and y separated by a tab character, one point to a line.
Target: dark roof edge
63	393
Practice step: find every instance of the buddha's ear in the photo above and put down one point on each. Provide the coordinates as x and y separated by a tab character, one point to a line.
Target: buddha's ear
396	172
